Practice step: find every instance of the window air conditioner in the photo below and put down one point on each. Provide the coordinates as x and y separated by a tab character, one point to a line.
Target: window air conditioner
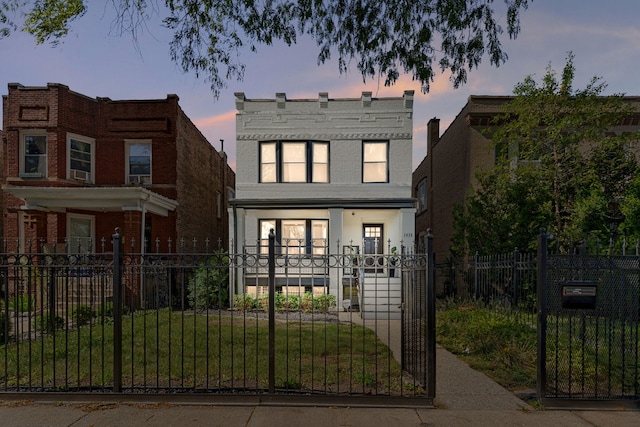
80	175
139	179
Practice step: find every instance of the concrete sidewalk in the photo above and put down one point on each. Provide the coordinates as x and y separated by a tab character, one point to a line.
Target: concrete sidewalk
464	397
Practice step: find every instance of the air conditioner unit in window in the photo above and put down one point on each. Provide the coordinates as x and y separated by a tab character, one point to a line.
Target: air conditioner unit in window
139	179
80	175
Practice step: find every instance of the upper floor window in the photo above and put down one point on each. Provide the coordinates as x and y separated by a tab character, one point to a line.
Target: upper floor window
81	157
422	196
139	162
33	154
375	160
285	161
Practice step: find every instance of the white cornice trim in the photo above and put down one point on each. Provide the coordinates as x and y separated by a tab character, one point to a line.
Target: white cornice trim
322	135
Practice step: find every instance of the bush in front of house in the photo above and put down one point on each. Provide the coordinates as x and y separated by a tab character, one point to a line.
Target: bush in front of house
47	325
244	302
208	287
23	303
306	303
82	315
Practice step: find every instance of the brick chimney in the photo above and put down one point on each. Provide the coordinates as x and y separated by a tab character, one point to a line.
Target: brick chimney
433	133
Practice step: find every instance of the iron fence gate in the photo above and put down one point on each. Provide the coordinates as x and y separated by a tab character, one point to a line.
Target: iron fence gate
588	336
260	323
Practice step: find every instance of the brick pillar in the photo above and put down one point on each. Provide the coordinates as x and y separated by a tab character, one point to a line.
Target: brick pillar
131	239
35	229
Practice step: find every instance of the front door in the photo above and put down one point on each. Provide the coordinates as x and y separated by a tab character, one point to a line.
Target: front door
373	247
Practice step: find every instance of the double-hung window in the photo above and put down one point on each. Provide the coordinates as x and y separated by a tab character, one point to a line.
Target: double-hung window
81	157
294	161
375	161
138	161
33	154
295	236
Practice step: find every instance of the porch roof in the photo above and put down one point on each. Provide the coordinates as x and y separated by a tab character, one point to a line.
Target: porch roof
93	198
398	203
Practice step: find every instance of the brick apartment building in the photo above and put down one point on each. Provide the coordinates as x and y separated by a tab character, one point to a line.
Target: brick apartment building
76	168
449	169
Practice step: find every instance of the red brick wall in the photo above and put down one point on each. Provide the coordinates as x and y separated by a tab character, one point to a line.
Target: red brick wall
450	168
202	173
185	167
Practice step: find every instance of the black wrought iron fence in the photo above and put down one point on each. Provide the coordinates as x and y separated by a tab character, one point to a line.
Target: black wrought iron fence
123	322
588	327
504	281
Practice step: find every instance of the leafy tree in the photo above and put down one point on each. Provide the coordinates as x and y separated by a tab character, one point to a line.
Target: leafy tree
505	212
383	37
630	210
578	172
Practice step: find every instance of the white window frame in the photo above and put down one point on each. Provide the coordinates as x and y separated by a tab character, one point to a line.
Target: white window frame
23	152
308	245
76	174
368	161
275	170
142	179
73	240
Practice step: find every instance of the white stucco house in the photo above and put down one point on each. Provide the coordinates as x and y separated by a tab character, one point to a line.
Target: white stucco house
329	176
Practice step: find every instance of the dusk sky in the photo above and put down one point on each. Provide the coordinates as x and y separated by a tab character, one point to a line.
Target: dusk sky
603	35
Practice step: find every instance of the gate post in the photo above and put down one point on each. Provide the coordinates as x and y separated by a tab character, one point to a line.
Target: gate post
272	312
431	317
117	311
541	296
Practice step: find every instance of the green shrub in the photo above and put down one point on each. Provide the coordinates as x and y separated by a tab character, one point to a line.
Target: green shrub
322	303
306	302
244	302
23	303
208	287
82	315
105	310
290	302
262	302
279	301
46	325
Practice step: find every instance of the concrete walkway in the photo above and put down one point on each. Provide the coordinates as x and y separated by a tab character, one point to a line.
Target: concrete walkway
464	398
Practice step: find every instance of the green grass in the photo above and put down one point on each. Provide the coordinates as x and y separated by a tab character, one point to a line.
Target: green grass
494	344
177	350
593	358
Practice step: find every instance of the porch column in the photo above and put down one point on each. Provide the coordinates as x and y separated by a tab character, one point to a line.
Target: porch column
239	233
407	220
335	236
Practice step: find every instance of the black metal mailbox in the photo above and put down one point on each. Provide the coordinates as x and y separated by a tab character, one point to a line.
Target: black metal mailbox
581	295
